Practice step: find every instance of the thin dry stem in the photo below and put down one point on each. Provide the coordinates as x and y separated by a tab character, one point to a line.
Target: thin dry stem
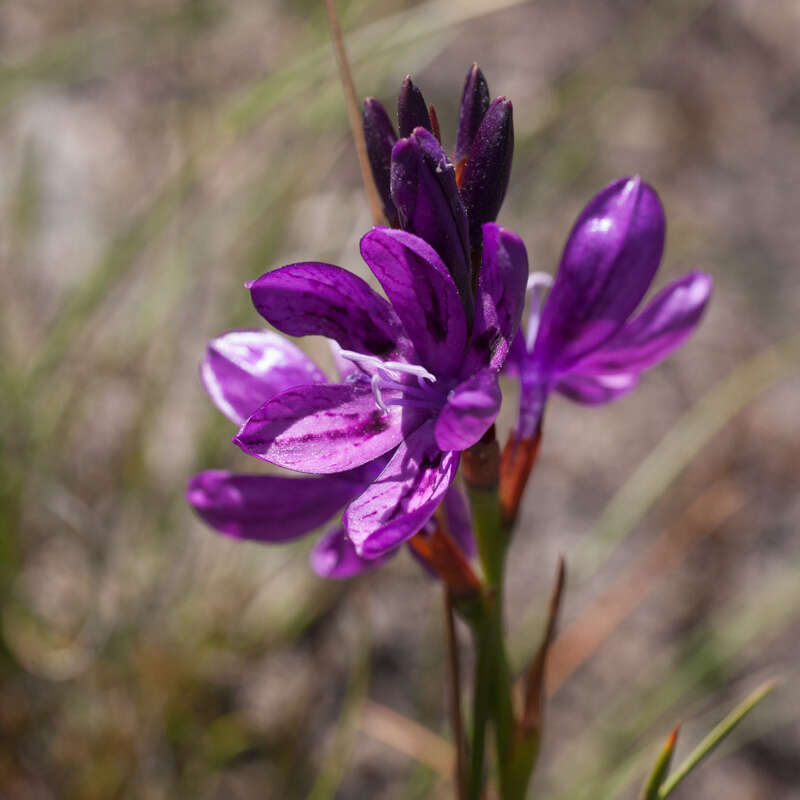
353	113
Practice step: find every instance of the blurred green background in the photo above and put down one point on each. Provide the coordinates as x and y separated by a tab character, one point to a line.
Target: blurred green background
158	153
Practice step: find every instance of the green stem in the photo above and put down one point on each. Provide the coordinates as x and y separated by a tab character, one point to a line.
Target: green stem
492	698
490	536
480	709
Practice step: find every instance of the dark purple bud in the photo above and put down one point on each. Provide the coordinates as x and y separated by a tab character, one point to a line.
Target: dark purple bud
425	194
484	179
411	109
380	139
474	105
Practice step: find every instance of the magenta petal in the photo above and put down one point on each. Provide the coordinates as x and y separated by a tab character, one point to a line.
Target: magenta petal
517	354
429	205
500	298
320	299
422	293
322	428
459	520
268	508
470	410
335	556
403	497
596	389
244	369
608	264
662	326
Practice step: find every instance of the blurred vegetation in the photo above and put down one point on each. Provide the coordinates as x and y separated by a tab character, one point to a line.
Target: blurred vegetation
157	154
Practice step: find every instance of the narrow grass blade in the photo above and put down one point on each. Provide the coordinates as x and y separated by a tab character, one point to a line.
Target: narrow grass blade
715	737
661	767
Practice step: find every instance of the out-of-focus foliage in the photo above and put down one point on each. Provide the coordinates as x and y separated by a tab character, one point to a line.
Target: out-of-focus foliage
158	154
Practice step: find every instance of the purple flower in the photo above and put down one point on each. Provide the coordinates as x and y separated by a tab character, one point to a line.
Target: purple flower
476	179
584	343
425	386
241	371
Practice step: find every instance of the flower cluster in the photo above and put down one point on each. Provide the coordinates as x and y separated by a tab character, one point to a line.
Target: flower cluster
419	367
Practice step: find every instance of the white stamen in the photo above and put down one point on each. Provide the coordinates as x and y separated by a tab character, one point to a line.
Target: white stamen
360	358
388	366
376	393
386	377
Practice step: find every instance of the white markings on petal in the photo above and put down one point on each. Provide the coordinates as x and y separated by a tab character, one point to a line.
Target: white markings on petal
537	283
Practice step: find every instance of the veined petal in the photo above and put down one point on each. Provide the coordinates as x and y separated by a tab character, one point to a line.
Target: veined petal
662	326
488	167
423	295
335	556
459	520
268	508
244	369
608	264
403	497
411	109
320	299
426	196
474	104
380	137
594	390
500	298
470	410
321	429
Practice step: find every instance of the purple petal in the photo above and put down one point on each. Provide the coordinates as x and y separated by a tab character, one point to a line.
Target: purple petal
517	354
459	520
380	137
411	109
474	103
321	299
403	497
423	295
470	410
664	324
334	556
321	429
596	389
608	264
485	177
500	297
429	205
533	393
244	369
269	508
